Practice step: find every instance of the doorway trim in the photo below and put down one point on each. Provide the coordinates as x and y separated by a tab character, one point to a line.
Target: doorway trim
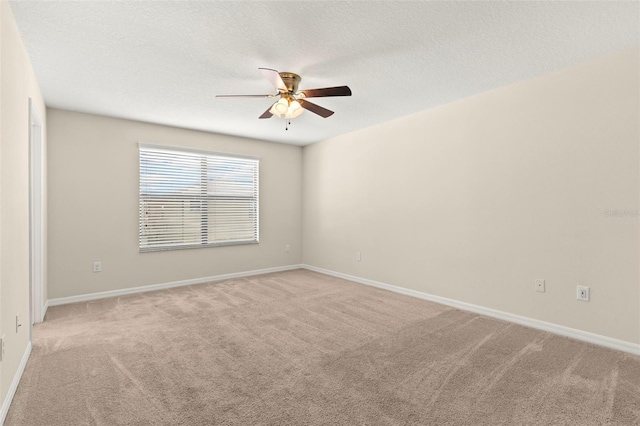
36	217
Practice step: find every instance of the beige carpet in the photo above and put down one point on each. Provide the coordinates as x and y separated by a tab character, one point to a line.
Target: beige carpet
301	348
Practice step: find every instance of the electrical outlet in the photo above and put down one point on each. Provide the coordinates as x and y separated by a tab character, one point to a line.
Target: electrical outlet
540	285
3	339
287	248
97	266
358	256
582	293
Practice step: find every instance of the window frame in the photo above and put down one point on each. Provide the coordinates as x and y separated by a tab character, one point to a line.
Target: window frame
202	200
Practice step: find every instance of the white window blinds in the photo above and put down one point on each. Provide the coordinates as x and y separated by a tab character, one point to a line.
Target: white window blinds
194	199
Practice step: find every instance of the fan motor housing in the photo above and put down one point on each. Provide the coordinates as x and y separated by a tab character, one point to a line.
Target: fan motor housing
290	80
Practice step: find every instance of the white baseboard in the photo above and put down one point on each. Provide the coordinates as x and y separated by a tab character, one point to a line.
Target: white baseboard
14	384
125	291
585	336
597	339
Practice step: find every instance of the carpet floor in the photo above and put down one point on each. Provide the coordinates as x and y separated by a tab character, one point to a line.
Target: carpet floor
302	348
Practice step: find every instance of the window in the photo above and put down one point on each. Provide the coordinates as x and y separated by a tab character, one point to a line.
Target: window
192	199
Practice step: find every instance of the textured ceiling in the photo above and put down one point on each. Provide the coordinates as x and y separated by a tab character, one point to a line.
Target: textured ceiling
164	61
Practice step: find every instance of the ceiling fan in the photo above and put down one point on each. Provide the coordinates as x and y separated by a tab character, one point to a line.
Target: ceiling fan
292	102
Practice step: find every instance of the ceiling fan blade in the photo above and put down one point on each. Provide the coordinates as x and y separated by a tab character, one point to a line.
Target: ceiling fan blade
266	114
324	92
245	96
274	78
317	109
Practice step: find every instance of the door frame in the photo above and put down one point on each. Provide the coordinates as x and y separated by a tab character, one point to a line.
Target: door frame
36	217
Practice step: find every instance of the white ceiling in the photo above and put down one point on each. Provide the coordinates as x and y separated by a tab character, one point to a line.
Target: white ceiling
164	61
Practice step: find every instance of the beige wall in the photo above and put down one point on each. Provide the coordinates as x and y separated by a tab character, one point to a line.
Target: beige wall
17	85
93	207
474	200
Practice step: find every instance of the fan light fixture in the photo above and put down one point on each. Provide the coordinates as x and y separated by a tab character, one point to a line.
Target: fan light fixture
293	103
287	108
